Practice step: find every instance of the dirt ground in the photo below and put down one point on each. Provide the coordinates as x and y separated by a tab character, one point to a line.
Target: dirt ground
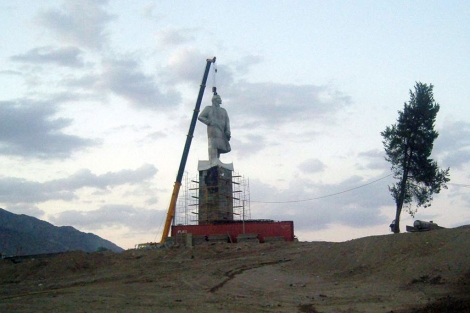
410	272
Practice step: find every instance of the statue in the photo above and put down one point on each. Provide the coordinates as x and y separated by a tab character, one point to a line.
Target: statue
218	129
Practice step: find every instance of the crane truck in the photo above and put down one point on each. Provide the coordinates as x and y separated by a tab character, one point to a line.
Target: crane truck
174	196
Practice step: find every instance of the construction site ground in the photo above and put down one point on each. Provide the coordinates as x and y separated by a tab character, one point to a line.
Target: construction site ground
408	272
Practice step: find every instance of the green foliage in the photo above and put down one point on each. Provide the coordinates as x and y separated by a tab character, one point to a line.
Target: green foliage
408	145
101	249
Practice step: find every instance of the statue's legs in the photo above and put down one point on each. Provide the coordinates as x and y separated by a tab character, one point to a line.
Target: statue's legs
213	155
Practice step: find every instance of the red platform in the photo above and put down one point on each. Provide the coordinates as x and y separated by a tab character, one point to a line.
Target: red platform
262	228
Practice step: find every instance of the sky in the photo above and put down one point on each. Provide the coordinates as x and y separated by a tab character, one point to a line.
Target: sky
96	99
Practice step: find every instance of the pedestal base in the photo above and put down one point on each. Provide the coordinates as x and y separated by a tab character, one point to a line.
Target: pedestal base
215	192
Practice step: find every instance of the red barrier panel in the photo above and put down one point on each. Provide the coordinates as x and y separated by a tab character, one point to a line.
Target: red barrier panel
263	229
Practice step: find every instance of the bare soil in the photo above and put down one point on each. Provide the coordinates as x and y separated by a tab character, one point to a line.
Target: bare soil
403	273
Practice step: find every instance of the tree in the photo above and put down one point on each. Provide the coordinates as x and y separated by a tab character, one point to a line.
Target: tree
408	145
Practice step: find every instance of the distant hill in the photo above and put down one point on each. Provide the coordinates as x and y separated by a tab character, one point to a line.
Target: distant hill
23	235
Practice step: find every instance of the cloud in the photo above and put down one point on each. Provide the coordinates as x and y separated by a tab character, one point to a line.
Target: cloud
124	78
85	82
258	104
134	218
11	72
67	56
79	22
148	12
373	160
279	104
20	191
354	202
171	36
357	191
312	166
186	65
456	160
84	178
251	145
453	144
29	129
157	135
26	209
244	63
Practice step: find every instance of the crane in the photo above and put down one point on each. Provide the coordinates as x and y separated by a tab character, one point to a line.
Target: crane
174	196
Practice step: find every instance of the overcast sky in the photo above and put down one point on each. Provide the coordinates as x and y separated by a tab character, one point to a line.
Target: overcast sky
96	99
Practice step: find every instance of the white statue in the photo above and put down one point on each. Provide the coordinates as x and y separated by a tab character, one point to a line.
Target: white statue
218	129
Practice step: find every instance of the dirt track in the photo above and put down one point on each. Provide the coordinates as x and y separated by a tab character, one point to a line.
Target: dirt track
393	273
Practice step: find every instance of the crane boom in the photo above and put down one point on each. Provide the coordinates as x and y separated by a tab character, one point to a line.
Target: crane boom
174	196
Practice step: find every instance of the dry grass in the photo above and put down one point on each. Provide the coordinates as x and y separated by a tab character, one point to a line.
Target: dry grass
419	272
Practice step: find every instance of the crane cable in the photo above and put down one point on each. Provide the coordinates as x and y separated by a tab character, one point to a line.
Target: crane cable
326	196
214	86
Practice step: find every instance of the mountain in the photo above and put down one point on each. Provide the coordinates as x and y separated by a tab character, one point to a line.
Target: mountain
24	235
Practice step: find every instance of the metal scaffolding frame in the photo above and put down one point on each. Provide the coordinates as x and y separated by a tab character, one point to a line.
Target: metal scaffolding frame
187	207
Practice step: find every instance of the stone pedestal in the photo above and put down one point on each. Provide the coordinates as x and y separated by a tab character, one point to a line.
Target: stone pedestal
215	192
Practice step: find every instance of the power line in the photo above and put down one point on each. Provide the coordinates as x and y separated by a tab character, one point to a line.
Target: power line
326	196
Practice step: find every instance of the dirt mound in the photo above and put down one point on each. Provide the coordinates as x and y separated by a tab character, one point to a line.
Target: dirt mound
418	272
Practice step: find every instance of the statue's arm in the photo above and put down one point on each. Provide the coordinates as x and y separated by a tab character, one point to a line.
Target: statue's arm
204	116
227	127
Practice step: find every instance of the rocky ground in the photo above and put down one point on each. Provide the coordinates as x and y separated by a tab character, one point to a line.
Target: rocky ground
410	272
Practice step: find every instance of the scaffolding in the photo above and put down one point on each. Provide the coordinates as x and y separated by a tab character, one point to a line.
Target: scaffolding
188	204
182	212
241	199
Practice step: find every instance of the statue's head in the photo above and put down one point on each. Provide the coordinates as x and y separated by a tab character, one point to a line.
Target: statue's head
216	100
